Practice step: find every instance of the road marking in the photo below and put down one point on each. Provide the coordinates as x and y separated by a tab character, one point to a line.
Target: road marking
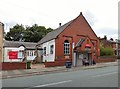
49	84
53	83
104	74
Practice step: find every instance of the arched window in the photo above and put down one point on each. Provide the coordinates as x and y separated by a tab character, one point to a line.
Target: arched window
66	47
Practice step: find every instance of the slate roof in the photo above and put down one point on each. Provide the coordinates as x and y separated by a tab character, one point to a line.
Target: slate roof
111	41
54	33
28	45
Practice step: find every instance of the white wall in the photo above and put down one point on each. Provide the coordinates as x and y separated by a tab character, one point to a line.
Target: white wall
49	57
6	56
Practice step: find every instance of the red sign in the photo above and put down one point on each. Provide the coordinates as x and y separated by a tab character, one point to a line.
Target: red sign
98	49
87	45
13	55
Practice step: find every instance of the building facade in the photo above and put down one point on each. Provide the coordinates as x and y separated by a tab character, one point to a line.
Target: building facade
74	41
15	51
115	44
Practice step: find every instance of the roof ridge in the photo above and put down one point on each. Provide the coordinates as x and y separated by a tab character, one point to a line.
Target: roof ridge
56	32
19	42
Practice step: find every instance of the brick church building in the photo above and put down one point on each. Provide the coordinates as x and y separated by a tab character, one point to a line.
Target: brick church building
74	41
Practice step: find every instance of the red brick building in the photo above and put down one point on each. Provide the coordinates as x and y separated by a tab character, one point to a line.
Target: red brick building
115	44
74	41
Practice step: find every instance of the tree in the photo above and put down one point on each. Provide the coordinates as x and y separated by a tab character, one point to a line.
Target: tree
16	33
28	34
35	33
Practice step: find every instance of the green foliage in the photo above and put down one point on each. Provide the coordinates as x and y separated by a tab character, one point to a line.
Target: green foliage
29	34
15	33
107	51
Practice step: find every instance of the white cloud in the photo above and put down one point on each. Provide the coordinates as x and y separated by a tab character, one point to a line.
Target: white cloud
99	13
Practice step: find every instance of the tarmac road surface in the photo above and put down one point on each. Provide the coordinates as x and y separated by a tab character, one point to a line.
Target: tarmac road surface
98	77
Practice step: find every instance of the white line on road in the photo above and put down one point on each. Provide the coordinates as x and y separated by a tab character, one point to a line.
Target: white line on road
53	83
104	74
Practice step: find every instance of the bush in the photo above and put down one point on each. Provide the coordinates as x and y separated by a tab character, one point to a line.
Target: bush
108	51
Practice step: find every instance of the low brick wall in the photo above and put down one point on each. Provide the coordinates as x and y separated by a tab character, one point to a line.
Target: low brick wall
56	63
13	65
103	59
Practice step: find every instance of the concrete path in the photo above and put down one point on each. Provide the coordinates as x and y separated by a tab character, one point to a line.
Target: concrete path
38	69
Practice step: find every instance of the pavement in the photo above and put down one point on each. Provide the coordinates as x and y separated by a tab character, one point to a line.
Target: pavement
40	69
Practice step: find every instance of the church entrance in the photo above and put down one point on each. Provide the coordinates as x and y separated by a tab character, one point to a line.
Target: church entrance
81	58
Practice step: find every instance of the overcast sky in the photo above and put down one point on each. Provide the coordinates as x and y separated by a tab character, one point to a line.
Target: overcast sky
102	15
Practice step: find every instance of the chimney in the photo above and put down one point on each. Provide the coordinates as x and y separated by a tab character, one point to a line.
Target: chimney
111	39
80	13
105	37
60	24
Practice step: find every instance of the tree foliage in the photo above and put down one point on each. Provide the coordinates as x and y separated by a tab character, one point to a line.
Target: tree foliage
28	34
106	51
16	33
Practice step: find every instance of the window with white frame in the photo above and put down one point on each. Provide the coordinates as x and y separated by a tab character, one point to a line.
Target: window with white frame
28	53
66	47
51	49
34	53
44	50
20	54
31	53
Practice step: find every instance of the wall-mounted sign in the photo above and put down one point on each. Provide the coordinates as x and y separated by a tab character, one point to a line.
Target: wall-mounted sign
67	57
98	49
88	45
13	55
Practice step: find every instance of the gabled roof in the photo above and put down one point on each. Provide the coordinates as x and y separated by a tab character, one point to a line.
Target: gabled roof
54	33
106	40
111	41
28	45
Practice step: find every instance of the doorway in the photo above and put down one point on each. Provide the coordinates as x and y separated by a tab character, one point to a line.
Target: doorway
90	58
79	58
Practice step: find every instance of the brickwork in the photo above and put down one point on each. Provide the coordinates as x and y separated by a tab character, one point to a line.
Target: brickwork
78	29
106	59
13	65
53	64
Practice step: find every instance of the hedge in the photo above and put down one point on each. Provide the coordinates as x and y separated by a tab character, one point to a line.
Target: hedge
106	51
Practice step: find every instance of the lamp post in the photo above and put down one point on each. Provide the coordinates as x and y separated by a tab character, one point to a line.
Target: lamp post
73	55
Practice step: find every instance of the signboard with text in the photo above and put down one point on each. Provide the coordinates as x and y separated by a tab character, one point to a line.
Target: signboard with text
13	55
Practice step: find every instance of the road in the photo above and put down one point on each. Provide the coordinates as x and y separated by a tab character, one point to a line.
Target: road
98	77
